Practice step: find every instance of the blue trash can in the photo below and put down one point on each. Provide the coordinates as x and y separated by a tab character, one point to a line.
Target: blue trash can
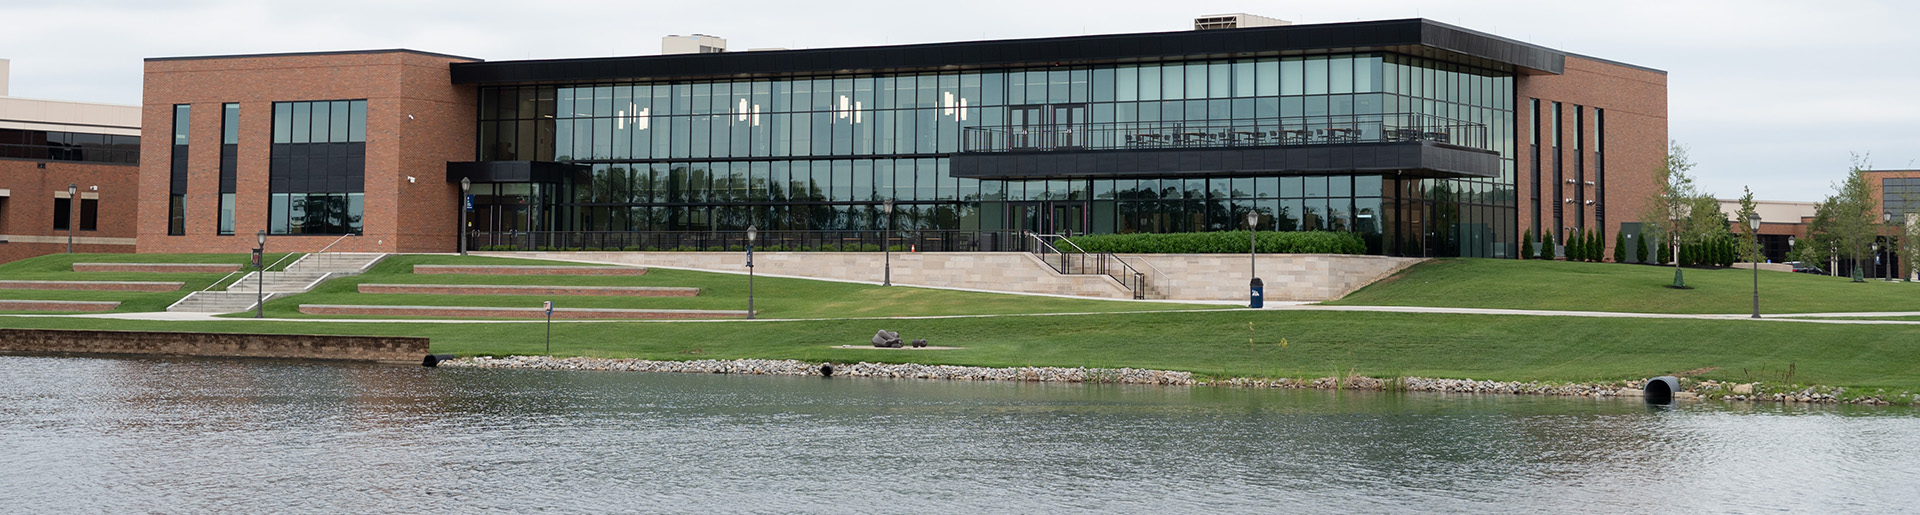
1257	294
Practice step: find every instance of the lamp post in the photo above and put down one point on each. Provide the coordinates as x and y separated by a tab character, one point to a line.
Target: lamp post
1256	295
886	241
1887	274
752	232
73	200
1754	224
260	282
466	185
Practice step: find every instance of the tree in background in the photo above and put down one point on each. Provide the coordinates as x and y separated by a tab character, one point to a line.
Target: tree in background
1619	246
1526	245
1674	210
1845	224
1749	246
1546	246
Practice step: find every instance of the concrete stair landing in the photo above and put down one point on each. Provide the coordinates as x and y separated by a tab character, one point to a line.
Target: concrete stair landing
301	276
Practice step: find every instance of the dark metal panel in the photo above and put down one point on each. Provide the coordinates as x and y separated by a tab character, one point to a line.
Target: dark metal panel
1420	159
512	171
1447	39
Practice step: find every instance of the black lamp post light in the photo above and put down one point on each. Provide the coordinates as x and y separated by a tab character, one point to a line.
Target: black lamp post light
886	241
752	233
1887	274
1256	291
466	185
1754	224
260	282
73	200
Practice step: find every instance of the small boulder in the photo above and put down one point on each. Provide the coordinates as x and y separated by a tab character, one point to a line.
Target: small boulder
886	339
919	342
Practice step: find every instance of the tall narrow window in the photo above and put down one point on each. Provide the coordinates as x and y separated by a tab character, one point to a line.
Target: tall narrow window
1533	136
1559	179
89	214
1579	166
62	213
177	183
229	163
1600	166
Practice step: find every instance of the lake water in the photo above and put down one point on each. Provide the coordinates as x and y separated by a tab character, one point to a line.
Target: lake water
177	435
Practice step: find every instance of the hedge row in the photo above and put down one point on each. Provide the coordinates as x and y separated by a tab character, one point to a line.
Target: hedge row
1276	242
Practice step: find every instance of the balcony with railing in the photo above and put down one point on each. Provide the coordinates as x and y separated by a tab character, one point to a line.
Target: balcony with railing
1401	142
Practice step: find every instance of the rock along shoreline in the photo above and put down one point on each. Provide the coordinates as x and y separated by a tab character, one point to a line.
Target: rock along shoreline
1704	389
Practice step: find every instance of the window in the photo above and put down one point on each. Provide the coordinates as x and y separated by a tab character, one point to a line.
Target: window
89	214
317	169
229	163
177	176
62	213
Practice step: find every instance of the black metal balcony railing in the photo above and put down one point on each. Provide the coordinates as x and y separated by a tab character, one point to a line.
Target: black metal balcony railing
767	240
1303	130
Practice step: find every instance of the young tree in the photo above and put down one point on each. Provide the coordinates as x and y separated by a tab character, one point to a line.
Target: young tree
1619	247
1844	224
1674	210
1749	246
1526	245
1640	249
1546	245
1573	245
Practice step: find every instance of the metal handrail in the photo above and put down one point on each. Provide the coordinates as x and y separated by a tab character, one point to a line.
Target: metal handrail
1090	263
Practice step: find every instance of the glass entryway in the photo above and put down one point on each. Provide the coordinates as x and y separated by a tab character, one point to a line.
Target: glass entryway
1065	218
1047	126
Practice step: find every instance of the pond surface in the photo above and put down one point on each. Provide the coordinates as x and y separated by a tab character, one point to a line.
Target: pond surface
166	435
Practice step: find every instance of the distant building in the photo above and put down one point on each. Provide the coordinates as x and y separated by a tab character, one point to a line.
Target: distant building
694	44
48	147
1897	198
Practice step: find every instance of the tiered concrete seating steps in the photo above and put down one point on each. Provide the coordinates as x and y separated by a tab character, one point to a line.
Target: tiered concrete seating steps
191	268
141	286
530	289
57	305
298	277
527	270
508	312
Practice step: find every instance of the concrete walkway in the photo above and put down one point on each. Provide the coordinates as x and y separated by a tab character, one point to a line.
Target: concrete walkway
1815	318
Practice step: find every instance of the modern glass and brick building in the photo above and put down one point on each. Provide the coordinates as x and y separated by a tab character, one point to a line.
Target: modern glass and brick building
1426	138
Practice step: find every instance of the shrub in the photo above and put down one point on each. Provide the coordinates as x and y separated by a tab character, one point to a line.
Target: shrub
1619	247
1526	245
1274	242
1597	245
1546	245
1640	249
1662	253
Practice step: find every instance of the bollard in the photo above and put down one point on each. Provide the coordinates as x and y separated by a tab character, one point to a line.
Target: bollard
1660	390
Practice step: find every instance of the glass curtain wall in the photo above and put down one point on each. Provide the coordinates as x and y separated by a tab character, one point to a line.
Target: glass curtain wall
821	153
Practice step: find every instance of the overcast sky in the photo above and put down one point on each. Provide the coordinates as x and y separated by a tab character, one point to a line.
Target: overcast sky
1770	94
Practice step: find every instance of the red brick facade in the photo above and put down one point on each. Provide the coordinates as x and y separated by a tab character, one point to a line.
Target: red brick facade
1635	105
26	213
417	121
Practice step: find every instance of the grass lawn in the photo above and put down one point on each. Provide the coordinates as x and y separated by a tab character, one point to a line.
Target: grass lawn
59	267
1218	343
1560	285
773	297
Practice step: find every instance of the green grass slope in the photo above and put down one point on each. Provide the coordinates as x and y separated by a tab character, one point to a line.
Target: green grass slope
1560	285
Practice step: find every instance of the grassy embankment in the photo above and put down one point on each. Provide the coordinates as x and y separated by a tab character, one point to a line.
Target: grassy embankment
1214	344
1209	343
59	267
1560	285
772	297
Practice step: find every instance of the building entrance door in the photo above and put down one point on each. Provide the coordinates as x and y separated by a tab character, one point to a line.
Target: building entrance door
1063	218
1048	126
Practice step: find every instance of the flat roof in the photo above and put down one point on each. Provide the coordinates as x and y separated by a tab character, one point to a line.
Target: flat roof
1420	37
296	54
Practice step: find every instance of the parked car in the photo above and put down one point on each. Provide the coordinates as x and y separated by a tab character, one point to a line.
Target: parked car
1804	268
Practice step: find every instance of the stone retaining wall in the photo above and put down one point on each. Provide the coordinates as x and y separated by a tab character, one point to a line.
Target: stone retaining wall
996	271
292	346
1288	277
92	285
488	312
191	268
57	305
504	289
527	270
